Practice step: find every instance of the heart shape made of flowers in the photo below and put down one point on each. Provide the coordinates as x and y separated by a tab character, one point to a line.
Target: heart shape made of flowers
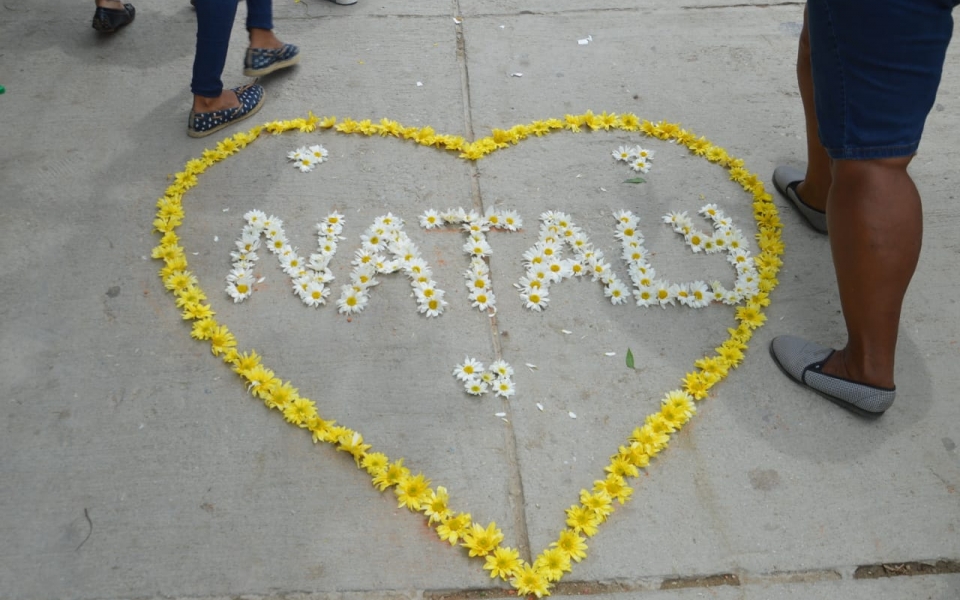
415	491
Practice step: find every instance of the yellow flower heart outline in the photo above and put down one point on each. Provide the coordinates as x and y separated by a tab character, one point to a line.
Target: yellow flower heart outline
414	491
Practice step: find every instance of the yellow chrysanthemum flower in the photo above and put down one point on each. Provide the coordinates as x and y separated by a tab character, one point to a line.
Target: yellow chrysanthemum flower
599	502
203	329
246	362
260	380
635	454
352	443
583	520
614	486
572	544
391	475
629	122
529	581
299	412
552	564
696	385
622	467
412	491
678	408
280	395
481	541
435	506
375	463
452	529
503	563
323	431
327	122
221	340
197	311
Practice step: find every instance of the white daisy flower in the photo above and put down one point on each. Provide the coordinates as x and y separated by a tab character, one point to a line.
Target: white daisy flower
351	300
700	295
695	240
470	368
501	368
617	292
640	165
475	387
248	243
626	218
364	276
646	296
255	219
666	293
433	307
643	153
710	211
318	152
529	283
430	219
305	163
315	294
577	268
477	247
624	153
504	387
482	299
511	220
535	300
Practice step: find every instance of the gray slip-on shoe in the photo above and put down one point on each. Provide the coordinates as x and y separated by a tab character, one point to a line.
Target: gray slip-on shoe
803	361
786	179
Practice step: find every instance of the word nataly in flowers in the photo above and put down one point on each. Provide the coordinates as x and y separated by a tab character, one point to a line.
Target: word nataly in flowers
385	248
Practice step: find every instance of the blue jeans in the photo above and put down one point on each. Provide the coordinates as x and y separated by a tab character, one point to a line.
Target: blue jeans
876	70
214	23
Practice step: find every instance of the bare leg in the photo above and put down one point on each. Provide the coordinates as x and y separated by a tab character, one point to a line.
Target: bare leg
114	4
813	189
876	224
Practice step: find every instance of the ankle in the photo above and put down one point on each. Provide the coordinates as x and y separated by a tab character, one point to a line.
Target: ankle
812	195
842	364
263	38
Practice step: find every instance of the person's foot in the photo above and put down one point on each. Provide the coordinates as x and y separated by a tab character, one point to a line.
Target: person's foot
261	60
226	99
111	15
213	114
822	370
788	182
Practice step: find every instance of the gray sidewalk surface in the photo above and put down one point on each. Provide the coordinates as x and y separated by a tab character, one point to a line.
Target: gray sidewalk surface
134	464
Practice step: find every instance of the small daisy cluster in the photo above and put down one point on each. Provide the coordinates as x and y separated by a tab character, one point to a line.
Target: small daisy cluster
386	235
309	277
726	238
478	381
307	158
476	226
545	264
638	158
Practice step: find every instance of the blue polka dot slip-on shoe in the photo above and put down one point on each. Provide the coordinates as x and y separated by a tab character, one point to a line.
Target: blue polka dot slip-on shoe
803	362
205	123
786	179
260	61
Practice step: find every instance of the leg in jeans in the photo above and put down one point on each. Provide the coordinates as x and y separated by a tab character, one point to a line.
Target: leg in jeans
214	24
260	24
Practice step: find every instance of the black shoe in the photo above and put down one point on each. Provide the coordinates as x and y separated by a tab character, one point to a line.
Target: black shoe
108	20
